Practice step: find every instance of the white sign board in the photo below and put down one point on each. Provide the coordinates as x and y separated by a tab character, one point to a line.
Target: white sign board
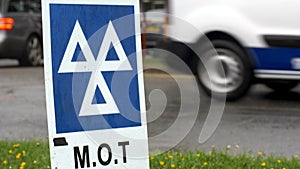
94	84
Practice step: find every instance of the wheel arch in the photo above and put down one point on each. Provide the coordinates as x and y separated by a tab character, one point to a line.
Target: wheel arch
31	35
226	41
37	35
220	35
23	61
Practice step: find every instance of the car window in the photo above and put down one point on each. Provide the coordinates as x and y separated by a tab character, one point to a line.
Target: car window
35	6
17	6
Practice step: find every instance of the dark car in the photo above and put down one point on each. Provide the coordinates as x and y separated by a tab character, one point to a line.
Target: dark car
21	31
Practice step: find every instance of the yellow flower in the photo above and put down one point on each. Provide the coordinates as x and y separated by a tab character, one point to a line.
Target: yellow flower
182	159
16	145
278	161
283	168
172	165
263	164
205	163
161	163
151	158
259	153
10	151
198	155
296	156
4	162
23	164
24	152
18	156
170	156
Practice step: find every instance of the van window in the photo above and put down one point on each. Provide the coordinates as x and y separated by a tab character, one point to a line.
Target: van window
17	6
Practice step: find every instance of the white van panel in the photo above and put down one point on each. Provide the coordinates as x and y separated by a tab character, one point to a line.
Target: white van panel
247	21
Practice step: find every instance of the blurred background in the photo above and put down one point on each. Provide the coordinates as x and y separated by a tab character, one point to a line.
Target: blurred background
259	116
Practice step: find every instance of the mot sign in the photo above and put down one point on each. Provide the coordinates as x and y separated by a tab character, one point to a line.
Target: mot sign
94	84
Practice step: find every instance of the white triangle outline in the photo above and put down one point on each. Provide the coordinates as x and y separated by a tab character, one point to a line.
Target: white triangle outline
96	67
77	37
111	37
89	109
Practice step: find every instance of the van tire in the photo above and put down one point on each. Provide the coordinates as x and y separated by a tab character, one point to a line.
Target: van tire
234	79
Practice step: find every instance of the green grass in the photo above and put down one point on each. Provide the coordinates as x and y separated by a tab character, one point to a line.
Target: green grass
35	155
221	160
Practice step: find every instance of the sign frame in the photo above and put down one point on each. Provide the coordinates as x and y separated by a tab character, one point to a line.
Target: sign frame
129	146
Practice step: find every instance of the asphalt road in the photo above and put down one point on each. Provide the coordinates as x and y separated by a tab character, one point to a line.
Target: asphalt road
261	121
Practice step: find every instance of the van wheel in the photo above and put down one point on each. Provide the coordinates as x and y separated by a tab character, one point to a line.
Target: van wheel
224	70
33	53
281	86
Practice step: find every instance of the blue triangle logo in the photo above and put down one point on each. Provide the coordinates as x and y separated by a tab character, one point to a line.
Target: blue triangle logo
98	97
112	54
78	55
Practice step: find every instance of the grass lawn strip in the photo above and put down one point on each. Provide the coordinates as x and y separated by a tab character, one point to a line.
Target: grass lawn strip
35	155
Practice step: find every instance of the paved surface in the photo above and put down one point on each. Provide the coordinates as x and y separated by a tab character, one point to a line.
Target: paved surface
22	103
261	121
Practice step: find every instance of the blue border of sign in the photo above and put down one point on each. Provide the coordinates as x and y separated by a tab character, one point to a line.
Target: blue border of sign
92	18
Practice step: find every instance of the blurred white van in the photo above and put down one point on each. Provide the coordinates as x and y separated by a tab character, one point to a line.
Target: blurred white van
255	41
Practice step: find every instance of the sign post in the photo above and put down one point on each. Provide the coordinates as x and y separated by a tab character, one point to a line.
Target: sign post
94	84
